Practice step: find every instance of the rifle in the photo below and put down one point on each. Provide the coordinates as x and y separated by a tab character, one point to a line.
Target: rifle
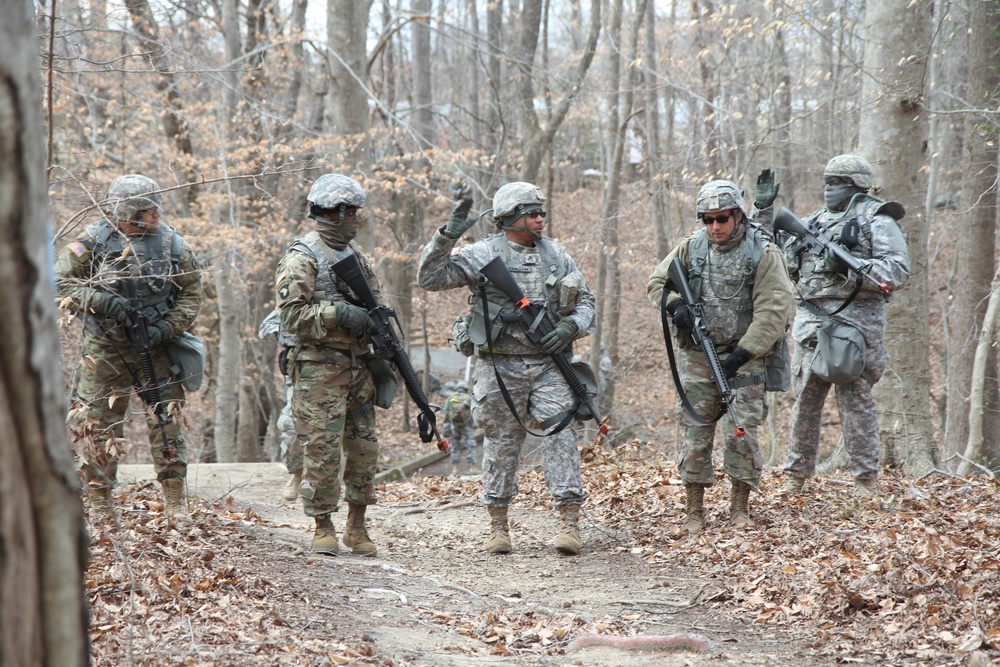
384	337
535	321
816	242
149	391
700	334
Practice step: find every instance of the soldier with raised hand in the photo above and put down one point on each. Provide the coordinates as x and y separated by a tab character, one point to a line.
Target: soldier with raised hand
129	269
866	226
740	278
330	365
546	274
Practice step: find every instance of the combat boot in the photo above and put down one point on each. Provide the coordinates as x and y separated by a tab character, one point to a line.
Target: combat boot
739	505
695	521
100	508
866	487
355	534
175	504
291	491
792	486
325	537
568	540
499	542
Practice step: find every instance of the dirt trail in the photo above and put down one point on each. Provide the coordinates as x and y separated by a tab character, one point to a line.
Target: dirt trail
433	597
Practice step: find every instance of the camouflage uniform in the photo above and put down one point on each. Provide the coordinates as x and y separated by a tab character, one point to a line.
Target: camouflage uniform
824	283
291	449
458	427
333	388
743	307
167	280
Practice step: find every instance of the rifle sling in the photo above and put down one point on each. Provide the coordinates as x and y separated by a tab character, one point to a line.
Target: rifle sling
688	408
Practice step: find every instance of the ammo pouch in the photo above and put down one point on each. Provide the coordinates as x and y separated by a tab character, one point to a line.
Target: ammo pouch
778	367
385	381
187	360
460	336
840	352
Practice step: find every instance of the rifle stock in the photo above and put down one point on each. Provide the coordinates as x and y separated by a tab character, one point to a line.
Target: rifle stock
786	221
536	324
701	336
384	338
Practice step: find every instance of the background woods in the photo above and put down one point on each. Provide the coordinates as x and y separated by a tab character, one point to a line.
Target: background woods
620	110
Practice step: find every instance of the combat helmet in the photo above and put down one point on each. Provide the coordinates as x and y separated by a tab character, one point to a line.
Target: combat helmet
513	200
129	194
720	195
333	190
853	167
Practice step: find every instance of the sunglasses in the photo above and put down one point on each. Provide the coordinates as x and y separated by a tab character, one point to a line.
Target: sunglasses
717	219
536	214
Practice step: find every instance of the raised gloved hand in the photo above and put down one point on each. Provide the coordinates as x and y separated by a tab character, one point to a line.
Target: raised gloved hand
766	191
561	335
110	305
459	221
159	333
680	314
353	318
734	361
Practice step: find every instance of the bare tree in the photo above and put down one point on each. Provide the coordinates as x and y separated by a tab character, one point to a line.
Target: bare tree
43	545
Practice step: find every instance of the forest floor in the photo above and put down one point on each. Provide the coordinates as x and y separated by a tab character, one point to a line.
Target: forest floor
823	579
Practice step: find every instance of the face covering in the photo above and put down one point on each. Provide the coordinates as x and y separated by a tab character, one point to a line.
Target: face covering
836	197
339	231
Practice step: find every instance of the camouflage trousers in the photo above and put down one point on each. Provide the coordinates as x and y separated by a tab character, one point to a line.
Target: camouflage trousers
97	420
334	413
741	458
539	392
858	420
291	448
461	442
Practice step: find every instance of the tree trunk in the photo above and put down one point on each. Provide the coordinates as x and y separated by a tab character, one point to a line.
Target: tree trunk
893	133
657	180
43	545
423	118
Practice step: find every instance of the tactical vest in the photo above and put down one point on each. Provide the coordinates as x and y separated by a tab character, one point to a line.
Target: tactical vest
149	266
723	282
537	274
818	281
456	409
329	289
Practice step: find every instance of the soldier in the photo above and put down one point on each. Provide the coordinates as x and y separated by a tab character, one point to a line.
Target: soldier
546	274
458	428
740	277
868	227
291	448
334	389
129	270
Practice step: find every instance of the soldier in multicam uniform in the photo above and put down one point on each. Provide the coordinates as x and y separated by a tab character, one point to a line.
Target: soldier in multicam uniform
291	448
868	227
740	277
458	428
131	244
546	274
334	390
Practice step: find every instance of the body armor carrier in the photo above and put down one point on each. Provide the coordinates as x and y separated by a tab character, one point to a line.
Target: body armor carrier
537	272
149	264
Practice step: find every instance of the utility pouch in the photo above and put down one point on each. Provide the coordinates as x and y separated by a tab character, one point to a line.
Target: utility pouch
778	367
187	360
840	353
460	336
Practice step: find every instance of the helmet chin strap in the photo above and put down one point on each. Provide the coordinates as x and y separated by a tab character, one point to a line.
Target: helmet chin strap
524	226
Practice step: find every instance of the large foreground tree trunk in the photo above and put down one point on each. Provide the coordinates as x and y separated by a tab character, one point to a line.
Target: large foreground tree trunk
43	616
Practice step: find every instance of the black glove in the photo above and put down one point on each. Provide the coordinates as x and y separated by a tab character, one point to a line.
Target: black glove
459	221
110	305
680	314
732	363
767	190
353	318
561	335
159	333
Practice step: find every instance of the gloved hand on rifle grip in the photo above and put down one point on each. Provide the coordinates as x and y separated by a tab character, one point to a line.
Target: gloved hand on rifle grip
561	335
680	314
832	263
766	191
342	314
110	305
459	221
732	363
159	333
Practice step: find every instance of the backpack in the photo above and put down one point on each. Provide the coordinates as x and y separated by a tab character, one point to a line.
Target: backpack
456	409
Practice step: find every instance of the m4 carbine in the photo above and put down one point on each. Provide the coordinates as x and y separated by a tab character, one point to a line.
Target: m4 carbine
701	336
535	322
816	242
386	341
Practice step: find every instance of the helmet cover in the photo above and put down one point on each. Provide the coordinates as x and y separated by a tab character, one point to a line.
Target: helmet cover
720	195
333	190
854	167
129	194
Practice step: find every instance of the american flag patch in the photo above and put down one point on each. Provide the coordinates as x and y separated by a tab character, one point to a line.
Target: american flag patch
77	248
